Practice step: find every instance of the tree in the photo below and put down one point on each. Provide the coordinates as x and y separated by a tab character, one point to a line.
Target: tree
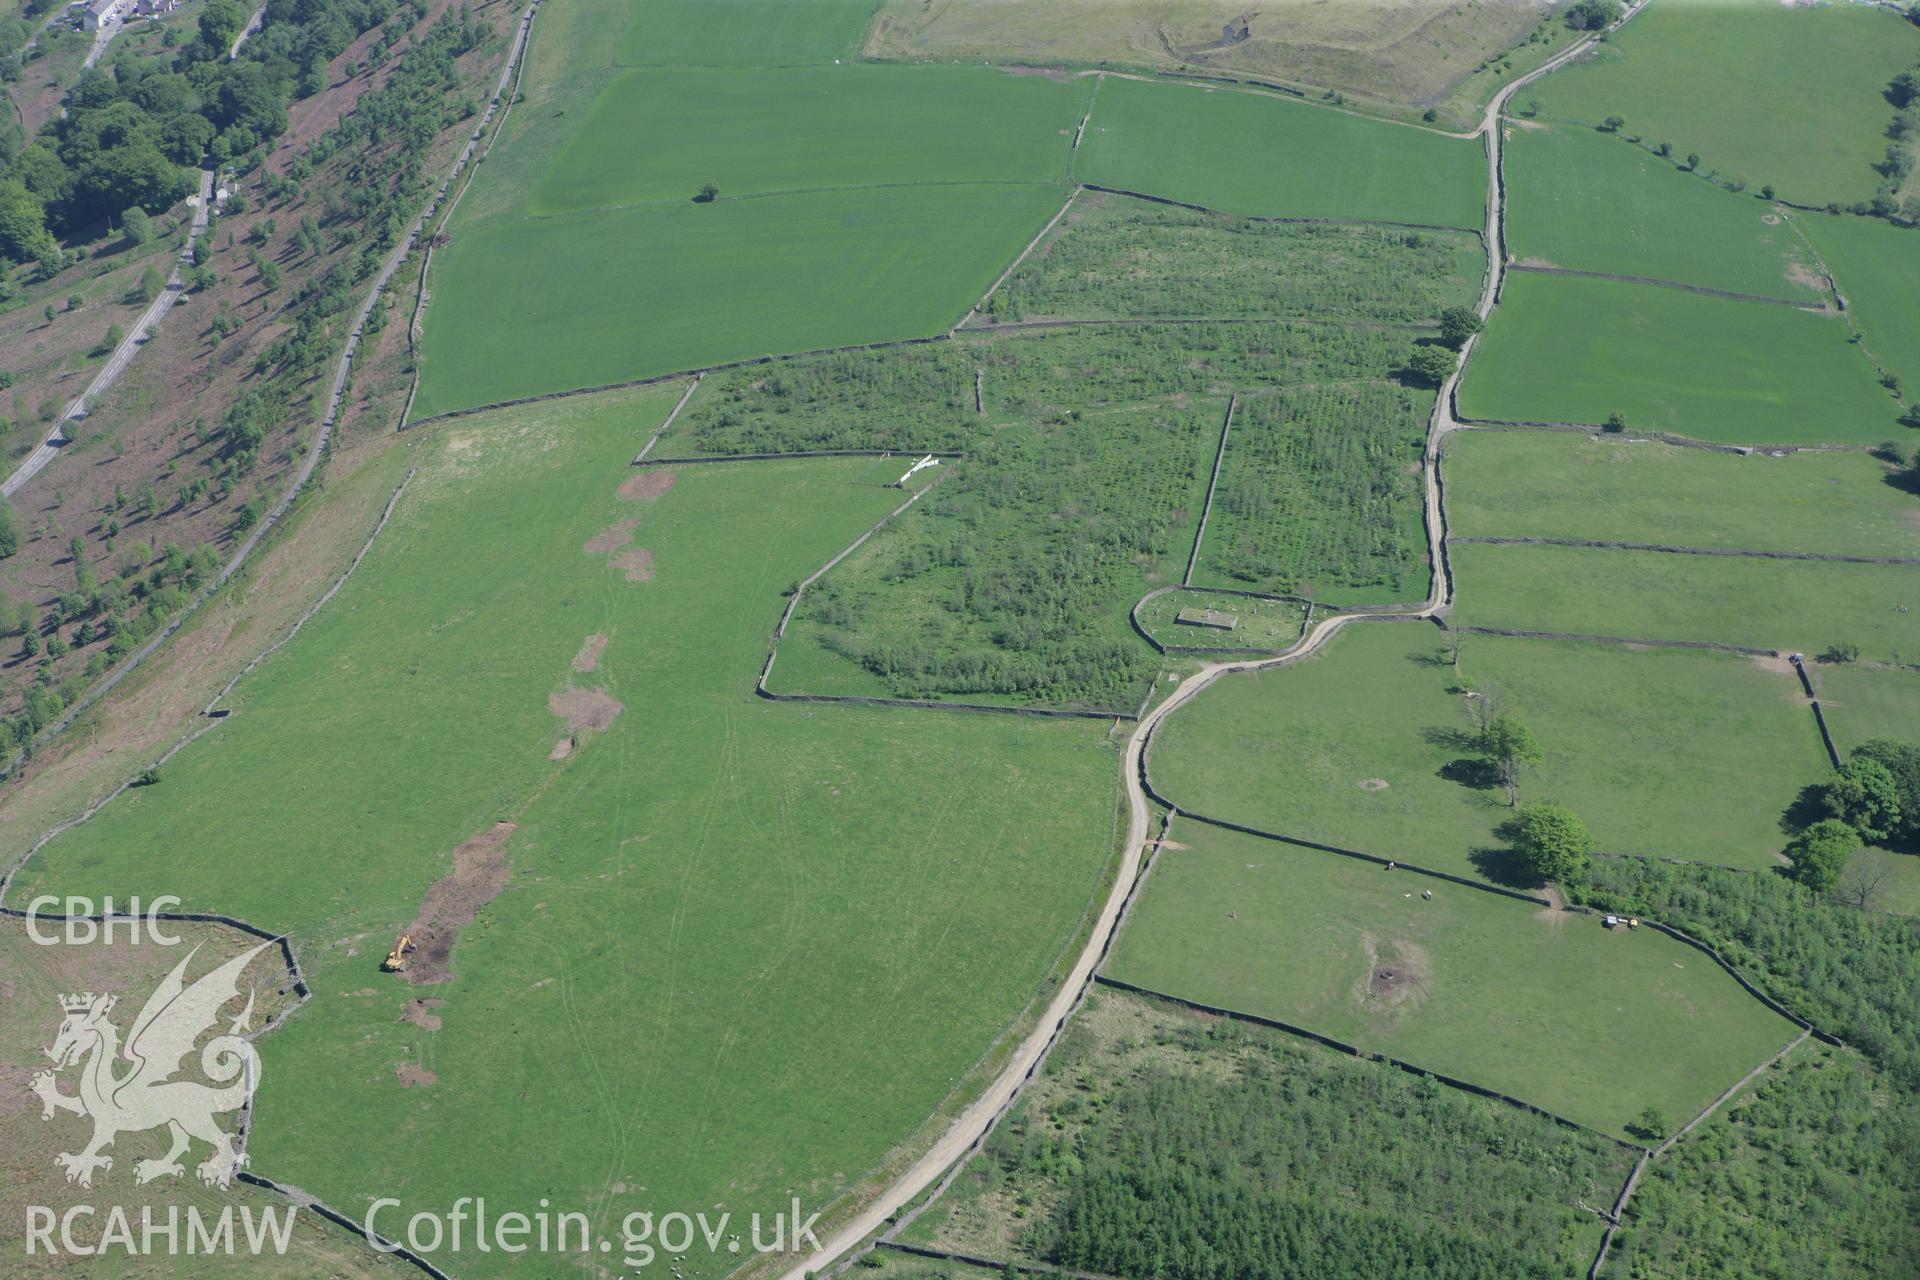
221	23
1552	841
1613	124
1593	15
1818	855
1457	324
1906	87
1766	191
1864	795
708	193
151	283
1512	748
1616	422
1432	365
1652	1124
1693	161
1902	761
9	530
137	226
1864	885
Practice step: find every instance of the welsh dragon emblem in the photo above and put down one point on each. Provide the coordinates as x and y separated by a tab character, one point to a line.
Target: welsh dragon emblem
146	1095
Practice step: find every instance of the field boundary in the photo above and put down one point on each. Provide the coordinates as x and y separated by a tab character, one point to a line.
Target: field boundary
1358	855
700	371
1706	291
1750	650
974	310
1368	1055
1286	220
1612	545
1813	700
989	1264
647	448
879	700
1213	484
1070	322
793	456
1638	435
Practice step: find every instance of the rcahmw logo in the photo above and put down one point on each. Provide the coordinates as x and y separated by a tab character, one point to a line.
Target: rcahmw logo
149	1094
168	1232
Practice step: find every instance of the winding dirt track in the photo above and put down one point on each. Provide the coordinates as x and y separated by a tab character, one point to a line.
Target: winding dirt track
973	1124
57	438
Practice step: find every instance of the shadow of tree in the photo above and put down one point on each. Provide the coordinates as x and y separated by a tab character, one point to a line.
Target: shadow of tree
1807	808
1449	738
1503	866
1471	771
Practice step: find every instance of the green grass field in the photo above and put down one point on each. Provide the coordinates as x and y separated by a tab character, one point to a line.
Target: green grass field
1863	701
523	307
1787	605
711	974
1259	154
1551	1008
1712	79
1589	201
1560	485
658	135
1690	755
744	33
1562	349
1877	267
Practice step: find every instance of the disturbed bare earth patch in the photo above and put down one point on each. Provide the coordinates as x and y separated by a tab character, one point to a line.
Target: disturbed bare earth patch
588	659
646	486
419	1012
584	710
638	562
479	873
411	1076
612	538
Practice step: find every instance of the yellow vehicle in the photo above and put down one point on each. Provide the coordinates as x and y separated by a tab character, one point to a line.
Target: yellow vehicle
397	958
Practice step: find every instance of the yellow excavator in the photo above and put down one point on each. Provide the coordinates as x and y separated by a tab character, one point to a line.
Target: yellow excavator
397	958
